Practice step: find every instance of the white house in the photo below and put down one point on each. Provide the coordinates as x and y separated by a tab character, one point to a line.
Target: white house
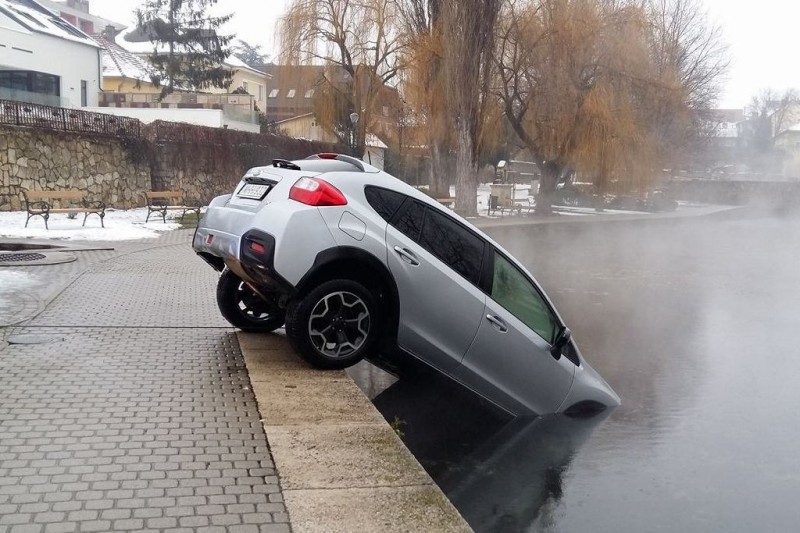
43	59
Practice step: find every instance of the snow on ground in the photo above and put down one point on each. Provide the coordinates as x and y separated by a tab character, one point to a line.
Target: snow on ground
120	225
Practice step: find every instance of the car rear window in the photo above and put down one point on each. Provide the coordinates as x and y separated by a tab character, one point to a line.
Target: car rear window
409	220
383	201
456	246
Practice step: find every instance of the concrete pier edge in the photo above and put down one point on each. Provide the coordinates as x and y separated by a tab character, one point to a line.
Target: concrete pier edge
342	468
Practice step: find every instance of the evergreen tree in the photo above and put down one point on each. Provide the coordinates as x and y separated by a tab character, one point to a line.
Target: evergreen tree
250	54
188	50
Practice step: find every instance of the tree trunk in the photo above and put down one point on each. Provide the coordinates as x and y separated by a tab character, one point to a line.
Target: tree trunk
466	189
544	200
438	175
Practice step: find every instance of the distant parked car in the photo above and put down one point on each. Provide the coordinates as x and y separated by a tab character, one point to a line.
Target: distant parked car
355	262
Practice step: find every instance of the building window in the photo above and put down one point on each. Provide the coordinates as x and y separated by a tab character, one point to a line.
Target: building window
273	93
245	87
260	92
309	93
33	82
290	94
84	93
87	26
30	18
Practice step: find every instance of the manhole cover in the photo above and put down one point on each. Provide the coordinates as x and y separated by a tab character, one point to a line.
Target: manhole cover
18	259
21	258
32	339
24	246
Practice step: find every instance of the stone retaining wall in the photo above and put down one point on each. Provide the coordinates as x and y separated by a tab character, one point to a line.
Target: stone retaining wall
201	162
49	160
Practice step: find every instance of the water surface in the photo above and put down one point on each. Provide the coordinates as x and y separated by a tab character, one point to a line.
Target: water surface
695	323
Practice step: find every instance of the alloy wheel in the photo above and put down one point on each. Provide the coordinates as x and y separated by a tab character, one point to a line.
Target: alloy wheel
339	324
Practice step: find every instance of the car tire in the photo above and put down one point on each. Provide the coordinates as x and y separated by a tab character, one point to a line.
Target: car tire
244	309
335	325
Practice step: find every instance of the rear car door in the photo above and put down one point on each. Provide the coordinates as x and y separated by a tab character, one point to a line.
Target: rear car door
510	360
436	263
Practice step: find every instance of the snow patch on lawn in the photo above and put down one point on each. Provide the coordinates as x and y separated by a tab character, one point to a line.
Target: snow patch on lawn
120	225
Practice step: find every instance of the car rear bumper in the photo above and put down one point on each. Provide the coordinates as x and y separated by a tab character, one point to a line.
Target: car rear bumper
250	255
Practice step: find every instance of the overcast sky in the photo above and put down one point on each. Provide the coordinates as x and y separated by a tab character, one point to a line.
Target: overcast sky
763	37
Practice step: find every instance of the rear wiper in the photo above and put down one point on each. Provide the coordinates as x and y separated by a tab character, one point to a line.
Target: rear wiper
283	163
259	181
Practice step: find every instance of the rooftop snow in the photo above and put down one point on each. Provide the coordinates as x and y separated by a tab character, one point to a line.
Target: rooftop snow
118	62
35	18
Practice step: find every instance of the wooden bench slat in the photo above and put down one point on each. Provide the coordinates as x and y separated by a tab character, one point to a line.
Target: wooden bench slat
37	203
155	203
57	195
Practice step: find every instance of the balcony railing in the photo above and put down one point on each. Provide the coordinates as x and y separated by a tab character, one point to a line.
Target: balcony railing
235	107
239	114
59	118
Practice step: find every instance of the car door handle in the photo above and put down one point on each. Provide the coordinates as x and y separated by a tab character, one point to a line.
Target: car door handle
497	323
407	256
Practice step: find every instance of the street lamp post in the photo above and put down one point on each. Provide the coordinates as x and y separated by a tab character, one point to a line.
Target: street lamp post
354	119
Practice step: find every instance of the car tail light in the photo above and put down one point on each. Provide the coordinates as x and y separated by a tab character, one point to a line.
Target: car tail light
316	192
258	248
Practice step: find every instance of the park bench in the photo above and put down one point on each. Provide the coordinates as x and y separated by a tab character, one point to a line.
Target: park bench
162	201
499	205
447	201
41	203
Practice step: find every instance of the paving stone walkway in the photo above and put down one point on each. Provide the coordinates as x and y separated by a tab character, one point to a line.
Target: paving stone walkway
139	415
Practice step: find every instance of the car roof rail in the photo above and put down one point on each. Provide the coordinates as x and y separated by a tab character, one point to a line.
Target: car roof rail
340	157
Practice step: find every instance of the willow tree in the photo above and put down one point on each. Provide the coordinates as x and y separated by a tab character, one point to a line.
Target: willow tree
587	87
467	51
358	39
424	86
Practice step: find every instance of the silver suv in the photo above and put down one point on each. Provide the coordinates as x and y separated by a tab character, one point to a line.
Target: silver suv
355	263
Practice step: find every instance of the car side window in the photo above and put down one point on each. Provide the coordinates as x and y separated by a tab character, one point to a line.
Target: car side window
512	290
408	220
383	201
456	246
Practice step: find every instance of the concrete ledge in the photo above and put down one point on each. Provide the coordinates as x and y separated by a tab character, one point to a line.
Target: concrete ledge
341	467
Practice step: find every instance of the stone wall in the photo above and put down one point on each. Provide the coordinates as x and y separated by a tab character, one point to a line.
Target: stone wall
206	162
49	160
200	162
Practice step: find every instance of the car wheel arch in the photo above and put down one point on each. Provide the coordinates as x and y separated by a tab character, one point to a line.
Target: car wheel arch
347	262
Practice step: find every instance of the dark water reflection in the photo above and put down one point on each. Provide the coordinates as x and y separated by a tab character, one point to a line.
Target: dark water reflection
695	323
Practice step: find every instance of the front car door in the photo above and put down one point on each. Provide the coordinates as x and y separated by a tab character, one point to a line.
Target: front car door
510	360
436	263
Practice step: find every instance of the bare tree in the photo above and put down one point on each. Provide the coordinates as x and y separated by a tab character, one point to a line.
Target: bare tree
769	114
360	39
689	56
424	86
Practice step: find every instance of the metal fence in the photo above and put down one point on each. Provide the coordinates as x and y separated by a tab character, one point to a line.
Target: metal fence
63	119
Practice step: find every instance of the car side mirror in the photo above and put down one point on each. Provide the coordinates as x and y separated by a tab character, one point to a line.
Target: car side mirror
563	337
